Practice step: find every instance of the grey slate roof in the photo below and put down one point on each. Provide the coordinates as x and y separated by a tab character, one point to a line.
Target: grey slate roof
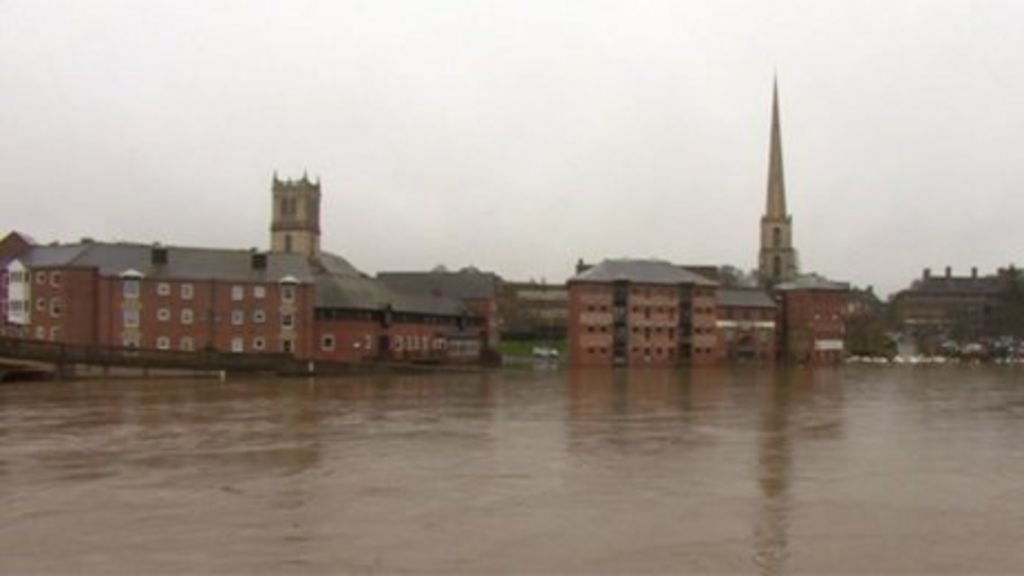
464	285
112	259
641	271
812	282
337	284
744	298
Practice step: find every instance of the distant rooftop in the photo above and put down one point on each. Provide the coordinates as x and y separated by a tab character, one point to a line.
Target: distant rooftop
641	271
812	281
466	284
744	298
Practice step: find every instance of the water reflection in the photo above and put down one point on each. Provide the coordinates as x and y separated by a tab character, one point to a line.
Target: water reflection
657	471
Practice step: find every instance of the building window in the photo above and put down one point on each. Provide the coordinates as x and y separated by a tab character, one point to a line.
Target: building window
187	291
55	333
40	304
776	237
56	309
259	292
130	288
131	343
287	242
163	314
237	344
186	316
287	345
163	289
55	278
258	343
238	317
259	317
40	333
777	266
40	278
163	343
288	320
327	342
186	344
237	293
130	317
287	292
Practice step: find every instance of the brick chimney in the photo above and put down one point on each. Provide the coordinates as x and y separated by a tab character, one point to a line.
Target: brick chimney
949	271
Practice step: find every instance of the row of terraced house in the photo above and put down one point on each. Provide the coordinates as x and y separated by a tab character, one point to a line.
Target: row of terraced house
293	298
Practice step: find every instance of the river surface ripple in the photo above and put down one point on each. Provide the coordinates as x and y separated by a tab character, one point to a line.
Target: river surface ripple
861	469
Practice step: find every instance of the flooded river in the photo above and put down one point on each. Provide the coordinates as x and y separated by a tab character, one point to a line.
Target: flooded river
734	470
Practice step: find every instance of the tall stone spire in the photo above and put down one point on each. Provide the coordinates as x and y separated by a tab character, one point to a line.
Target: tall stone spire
777	261
776	177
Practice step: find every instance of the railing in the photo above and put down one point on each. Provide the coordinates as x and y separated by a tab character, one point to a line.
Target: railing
63	354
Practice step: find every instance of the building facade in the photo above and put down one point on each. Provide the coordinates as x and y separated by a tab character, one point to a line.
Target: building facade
747	325
296	300
813	320
534	311
641	312
964	306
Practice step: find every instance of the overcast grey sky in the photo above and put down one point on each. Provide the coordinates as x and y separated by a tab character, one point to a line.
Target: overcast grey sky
517	136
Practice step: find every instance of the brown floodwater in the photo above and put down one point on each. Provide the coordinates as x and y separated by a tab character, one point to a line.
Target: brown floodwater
862	469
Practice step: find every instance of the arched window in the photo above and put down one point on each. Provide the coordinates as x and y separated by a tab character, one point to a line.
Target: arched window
287	242
776	236
284	207
777	266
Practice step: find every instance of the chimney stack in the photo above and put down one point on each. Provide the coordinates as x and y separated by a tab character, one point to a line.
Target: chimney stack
949	271
974	272
259	261
927	273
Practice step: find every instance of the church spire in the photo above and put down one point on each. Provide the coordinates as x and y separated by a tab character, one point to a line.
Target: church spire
776	207
777	260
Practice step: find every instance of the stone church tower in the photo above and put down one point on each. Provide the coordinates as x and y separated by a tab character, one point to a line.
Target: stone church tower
295	226
777	261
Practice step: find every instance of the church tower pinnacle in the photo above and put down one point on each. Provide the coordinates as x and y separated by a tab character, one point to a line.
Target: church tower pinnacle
777	261
295	220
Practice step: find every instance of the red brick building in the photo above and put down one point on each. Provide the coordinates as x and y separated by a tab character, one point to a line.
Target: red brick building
813	320
747	325
298	300
641	312
478	291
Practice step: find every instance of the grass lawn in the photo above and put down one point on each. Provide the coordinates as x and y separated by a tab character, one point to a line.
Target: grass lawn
524	348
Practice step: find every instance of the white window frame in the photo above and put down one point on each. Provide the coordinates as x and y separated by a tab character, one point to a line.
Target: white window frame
187	291
55	278
287	345
187	344
163	289
238	317
238	344
40	333
237	293
327	342
41	277
163	315
259	292
54	333
259	343
259	316
187	317
163	343
130	287
56	307
288	320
